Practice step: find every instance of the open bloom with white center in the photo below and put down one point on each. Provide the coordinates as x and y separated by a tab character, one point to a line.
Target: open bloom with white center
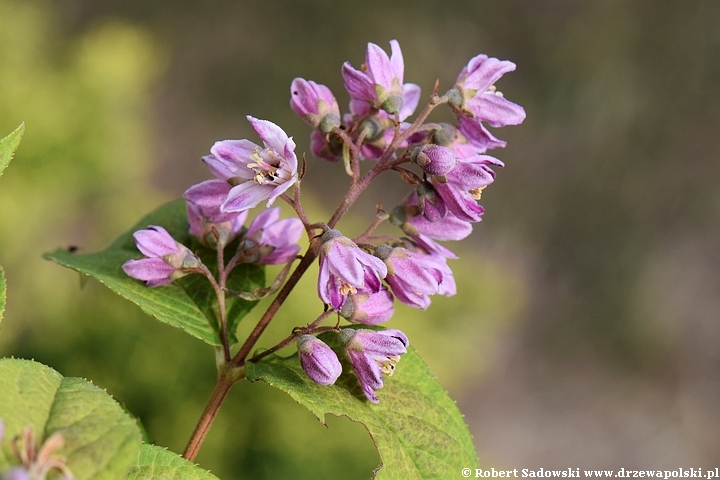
372	354
257	173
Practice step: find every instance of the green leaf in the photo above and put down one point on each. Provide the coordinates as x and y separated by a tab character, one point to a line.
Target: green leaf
156	463
8	145
100	439
3	293
417	428
188	303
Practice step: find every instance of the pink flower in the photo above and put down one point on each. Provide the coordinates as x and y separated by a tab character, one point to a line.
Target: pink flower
270	241
480	98
368	307
372	354
380	82
205	216
414	276
166	259
315	104
465	184
345	268
257	173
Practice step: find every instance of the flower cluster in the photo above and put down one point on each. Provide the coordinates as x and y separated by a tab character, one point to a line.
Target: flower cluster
443	206
359	278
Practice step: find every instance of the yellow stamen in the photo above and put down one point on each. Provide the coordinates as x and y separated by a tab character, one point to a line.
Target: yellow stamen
346	289
388	366
477	193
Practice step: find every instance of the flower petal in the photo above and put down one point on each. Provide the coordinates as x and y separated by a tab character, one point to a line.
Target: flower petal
210	193
155	242
378	66
245	196
497	111
272	135
396	61
358	85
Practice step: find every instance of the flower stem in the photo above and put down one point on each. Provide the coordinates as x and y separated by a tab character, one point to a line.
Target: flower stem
226	379
307	260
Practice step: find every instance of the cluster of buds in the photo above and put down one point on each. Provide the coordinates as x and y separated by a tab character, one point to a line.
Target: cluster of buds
358	278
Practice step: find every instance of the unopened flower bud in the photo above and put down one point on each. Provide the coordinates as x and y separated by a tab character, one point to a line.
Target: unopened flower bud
368	308
315	104
434	159
318	360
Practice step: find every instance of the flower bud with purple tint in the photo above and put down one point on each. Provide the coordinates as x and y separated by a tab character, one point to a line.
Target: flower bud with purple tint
434	159
369	308
315	104
318	360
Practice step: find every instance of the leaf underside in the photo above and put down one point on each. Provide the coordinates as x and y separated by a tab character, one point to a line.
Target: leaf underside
417	429
189	302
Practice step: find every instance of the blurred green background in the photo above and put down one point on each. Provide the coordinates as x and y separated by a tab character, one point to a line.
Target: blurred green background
586	330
